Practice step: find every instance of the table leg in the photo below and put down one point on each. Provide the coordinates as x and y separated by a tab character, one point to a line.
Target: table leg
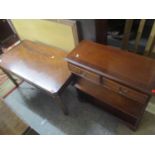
10	77
63	106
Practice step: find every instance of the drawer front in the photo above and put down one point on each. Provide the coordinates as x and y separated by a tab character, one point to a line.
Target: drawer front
125	91
110	84
132	94
84	73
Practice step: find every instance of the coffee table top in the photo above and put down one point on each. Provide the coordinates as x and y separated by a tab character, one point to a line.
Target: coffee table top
38	64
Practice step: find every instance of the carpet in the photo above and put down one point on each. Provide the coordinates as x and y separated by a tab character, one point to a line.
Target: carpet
42	114
6	85
10	123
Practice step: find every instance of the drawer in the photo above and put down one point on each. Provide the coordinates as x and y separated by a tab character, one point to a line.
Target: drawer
75	70
132	94
123	90
84	73
110	84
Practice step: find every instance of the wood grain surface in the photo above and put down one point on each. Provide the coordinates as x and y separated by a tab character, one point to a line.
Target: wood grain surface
132	70
38	64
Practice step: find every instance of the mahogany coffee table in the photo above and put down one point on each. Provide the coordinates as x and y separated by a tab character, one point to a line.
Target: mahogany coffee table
40	65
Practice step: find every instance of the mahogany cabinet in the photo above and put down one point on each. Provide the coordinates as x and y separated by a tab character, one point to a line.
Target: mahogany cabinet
120	81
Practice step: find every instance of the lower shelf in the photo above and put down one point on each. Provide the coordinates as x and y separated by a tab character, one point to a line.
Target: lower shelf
124	108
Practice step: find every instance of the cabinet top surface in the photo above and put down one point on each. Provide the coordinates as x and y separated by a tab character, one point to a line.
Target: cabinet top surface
128	68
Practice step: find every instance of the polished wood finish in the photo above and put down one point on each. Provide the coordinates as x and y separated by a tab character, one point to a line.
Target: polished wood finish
39	64
124	108
123	90
120	80
127	68
109	84
84	73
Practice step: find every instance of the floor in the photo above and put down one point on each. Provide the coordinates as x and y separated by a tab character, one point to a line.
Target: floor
42	114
